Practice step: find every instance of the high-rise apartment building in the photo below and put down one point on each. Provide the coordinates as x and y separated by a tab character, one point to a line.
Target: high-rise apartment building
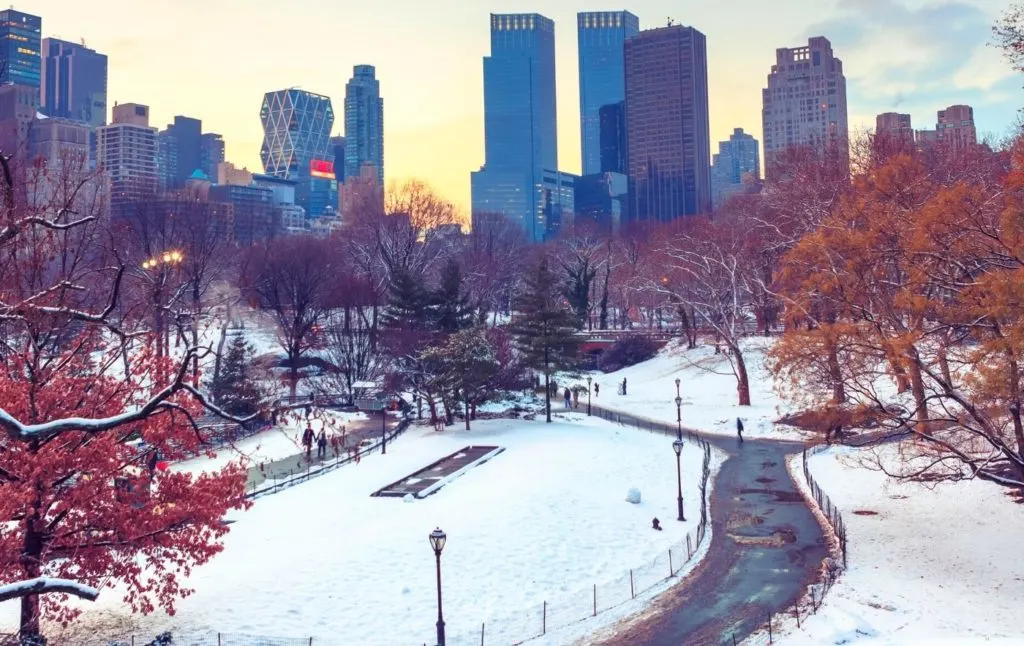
612	121
894	125
735	166
20	48
955	127
601	37
297	146
667	127
520	123
364	123
211	153
74	82
127	150
338	146
805	101
18	107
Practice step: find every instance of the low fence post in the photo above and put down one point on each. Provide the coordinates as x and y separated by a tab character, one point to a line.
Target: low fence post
631	593
218	639
482	626
544	620
595	600
770	641
796	607
671	570
689	548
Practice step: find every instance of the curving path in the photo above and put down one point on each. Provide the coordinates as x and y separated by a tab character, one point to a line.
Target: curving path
766	548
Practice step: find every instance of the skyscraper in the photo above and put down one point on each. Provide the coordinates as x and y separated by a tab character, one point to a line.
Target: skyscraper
955	127
211	154
805	101
74	82
297	145
601	36
737	159
895	125
669	141
520	124
612	122
20	48
364	123
338	146
127	150
188	137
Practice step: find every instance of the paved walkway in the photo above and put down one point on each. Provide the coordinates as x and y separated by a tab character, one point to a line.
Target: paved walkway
766	548
357	430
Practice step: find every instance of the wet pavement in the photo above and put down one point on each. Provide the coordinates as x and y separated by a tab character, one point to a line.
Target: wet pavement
766	548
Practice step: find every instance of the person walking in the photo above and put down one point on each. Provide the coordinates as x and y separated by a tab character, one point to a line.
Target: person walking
568	397
321	445
597	389
623	385
739	428
307	441
575	398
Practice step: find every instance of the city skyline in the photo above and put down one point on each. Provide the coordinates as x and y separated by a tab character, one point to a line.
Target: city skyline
435	128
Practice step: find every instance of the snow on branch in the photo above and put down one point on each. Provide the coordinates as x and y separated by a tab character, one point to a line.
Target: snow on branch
44	585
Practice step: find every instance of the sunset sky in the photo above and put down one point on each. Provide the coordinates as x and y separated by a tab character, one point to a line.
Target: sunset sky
214	59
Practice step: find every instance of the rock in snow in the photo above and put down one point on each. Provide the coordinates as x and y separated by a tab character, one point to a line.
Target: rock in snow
633	496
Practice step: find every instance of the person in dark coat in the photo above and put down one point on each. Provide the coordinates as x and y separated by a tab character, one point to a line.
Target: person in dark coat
321	445
739	428
568	398
623	385
307	441
597	389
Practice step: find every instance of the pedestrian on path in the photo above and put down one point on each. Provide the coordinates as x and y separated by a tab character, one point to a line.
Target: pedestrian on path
575	398
321	445
739	429
307	441
597	389
568	398
622	391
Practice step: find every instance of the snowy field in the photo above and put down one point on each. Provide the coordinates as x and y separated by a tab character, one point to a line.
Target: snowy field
543	521
927	565
708	391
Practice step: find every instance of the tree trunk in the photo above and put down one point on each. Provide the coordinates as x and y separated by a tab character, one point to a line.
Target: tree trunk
547	395
742	380
466	402
943	356
293	373
835	375
31	561
603	319
917	388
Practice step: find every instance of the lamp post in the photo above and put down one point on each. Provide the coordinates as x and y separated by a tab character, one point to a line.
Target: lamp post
437	541
589	380
679	413
677	446
384	428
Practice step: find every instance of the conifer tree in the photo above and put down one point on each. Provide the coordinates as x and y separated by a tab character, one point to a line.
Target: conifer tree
233	389
408	302
546	329
450	308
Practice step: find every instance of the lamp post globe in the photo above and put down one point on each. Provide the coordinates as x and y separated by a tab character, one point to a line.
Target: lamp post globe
437	540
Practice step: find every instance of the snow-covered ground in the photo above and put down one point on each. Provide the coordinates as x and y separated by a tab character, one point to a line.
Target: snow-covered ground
544	521
926	564
282	441
707	388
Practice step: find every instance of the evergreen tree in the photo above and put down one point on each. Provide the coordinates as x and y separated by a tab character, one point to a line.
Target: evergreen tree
467	365
408	303
450	307
233	389
546	329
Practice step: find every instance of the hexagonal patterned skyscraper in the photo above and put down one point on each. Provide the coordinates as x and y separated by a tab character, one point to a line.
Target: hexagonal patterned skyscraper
297	145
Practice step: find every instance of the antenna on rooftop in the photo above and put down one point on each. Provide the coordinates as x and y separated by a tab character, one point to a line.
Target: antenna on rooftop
670	21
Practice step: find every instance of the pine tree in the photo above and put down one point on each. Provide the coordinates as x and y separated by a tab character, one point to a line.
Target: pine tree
234	390
408	303
451	310
546	330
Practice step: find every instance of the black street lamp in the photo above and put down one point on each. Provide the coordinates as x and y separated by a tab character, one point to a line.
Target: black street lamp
677	446
589	380
384	429
679	413
437	541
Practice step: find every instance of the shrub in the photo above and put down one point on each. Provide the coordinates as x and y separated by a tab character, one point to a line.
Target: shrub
627	351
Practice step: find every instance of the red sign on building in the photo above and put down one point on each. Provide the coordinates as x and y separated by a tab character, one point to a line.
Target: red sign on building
321	168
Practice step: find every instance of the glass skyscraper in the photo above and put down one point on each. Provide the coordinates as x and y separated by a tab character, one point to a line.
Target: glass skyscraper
601	36
74	82
20	48
297	145
520	124
738	160
364	123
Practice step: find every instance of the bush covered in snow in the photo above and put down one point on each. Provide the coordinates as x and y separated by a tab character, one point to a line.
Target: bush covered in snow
627	351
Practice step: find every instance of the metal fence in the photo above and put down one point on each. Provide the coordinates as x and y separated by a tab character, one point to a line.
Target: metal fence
831	569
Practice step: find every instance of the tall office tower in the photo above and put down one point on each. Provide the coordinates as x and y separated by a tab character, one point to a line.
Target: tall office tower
20	48
612	120
955	128
127	150
338	147
211	154
601	37
364	123
167	159
895	125
667	131
805	101
520	124
737	162
18	107
188	138
297	146
74	82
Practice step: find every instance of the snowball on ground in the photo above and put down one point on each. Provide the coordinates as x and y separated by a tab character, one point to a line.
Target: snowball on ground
934	565
543	521
707	388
